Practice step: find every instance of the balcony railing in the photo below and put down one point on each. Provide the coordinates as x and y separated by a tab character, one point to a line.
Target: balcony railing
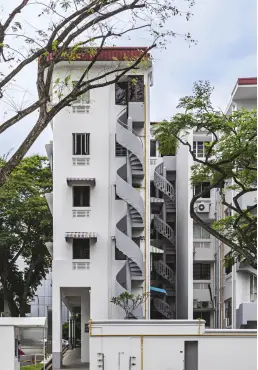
81	265
81	213
81	161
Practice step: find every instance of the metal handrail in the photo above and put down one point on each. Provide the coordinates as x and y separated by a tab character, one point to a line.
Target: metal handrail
162	183
164	270
163	228
163	307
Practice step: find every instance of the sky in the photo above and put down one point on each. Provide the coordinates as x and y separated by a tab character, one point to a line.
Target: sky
225	31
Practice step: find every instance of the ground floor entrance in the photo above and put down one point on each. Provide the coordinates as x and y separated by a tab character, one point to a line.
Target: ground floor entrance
72	360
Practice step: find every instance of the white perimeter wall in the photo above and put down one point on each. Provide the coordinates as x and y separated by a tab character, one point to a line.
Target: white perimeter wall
217	350
7	358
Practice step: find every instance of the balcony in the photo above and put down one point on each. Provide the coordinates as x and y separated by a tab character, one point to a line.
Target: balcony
201	291
80	265
80	161
81	212
203	250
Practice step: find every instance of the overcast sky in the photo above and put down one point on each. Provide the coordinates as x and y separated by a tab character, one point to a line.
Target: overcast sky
226	49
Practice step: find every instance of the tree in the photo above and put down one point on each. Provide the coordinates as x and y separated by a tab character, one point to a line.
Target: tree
129	302
229	164
72	28
25	227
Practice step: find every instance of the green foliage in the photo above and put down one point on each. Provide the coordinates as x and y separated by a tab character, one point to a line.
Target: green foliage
167	142
32	367
229	164
129	302
25	227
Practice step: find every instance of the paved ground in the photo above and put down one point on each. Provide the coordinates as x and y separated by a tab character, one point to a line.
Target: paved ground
72	360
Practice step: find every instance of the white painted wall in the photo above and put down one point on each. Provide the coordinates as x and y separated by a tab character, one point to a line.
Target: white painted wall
162	345
105	211
7	355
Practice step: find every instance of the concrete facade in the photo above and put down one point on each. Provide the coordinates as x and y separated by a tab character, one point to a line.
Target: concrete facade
113	223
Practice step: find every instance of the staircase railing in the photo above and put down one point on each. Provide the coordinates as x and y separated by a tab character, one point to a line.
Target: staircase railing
130	129
130	140
163	228
164	270
162	183
164	308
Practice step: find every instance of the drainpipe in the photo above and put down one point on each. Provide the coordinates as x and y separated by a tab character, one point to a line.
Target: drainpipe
69	335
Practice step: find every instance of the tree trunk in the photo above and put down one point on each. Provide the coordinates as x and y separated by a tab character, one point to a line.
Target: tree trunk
8	297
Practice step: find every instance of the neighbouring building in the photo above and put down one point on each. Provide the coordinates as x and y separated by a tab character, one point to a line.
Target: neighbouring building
100	200
186	261
237	285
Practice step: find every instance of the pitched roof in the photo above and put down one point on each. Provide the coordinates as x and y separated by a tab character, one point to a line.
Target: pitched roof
111	54
247	81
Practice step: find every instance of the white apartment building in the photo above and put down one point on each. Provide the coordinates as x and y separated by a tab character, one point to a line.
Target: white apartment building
100	207
237	286
187	262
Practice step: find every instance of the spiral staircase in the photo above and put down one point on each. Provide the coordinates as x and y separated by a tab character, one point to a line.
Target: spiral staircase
161	226
127	175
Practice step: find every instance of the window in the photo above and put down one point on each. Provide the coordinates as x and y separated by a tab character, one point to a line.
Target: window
153	148
119	256
228	311
116	196
82	99
136	89
199	188
152	189
204	316
81	249
201	271
81	144
81	196
120	150
121	92
253	288
199	149
228	267
200	233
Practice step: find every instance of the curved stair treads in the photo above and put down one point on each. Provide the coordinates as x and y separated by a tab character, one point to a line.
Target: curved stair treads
130	140
164	229
129	248
163	307
129	194
121	278
163	184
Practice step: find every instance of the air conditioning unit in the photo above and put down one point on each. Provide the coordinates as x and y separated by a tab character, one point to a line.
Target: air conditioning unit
195	303
203	208
206	304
